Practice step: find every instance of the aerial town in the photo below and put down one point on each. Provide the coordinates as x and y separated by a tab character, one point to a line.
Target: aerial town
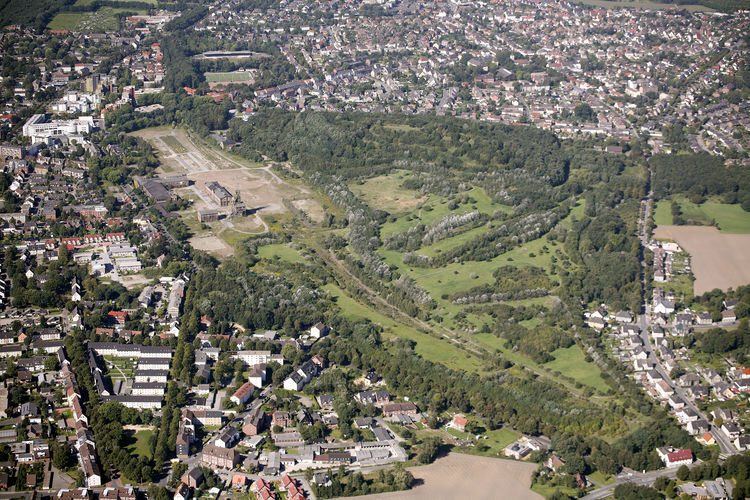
275	249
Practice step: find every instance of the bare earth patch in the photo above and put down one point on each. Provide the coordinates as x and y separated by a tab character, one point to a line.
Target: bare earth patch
212	244
719	260
467	476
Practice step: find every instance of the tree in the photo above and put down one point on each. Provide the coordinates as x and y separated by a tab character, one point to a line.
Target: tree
683	473
62	457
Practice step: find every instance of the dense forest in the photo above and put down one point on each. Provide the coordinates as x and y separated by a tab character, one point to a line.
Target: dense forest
698	176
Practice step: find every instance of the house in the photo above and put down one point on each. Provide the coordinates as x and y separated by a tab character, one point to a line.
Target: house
707	439
254	423
624	317
227	438
239	481
664	306
731	430
326	401
663	388
215	456
554	462
675	458
704	319
193	478
282	419
182	492
697	427
257	375
729	304
728	316
392	409
459	422
596	322
243	394
742	443
319	330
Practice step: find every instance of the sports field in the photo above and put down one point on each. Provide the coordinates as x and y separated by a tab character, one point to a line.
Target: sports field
230	77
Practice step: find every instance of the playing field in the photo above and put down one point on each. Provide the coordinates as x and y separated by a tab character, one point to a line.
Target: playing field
467	476
231	77
718	260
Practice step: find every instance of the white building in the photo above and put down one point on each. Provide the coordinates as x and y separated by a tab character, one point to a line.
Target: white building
41	129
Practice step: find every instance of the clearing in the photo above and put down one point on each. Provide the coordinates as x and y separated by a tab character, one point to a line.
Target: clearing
730	218
281	250
570	361
467	476
718	260
386	193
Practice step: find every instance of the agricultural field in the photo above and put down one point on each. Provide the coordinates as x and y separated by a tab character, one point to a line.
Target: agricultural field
467	476
718	260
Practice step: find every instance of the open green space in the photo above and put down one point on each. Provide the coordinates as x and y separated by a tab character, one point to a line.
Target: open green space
139	443
431	348
730	218
386	193
281	250
571	362
103	19
434	208
461	276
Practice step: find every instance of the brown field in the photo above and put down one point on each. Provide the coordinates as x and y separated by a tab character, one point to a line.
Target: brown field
467	476
212	244
718	260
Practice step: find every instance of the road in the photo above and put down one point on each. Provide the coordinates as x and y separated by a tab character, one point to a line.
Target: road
725	445
641	479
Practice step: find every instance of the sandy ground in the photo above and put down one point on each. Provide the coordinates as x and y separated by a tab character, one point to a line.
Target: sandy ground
467	476
212	244
718	260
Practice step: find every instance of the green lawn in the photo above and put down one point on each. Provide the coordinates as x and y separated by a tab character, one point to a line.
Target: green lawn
663	213
730	218
570	362
601	478
281	250
431	348
139	443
